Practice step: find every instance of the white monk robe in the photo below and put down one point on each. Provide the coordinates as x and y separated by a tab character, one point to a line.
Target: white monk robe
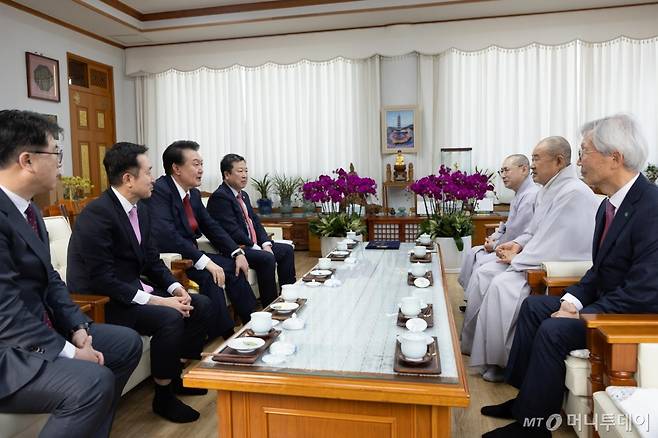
520	213
561	229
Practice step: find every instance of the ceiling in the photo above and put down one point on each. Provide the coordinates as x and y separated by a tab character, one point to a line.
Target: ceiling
131	23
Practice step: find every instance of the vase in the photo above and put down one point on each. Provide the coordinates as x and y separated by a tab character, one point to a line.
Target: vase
286	206
452	257
264	206
328	244
308	207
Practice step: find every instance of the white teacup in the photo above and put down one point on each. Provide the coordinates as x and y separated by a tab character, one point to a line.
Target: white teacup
341	246
420	251
261	322
425	235
414	345
425	239
410	306
289	293
324	263
422	296
351	235
418	269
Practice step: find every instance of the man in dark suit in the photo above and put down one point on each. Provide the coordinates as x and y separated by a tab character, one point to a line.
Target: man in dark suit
179	219
111	249
621	280
230	206
53	359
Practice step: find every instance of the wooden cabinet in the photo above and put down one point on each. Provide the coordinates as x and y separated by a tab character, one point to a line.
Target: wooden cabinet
298	231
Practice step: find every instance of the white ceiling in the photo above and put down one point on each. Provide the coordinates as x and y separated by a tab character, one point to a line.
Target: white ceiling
99	18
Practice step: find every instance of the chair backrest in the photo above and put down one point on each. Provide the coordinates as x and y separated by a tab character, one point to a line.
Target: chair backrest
59	233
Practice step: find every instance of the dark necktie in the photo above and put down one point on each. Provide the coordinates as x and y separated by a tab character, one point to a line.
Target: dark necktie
32	220
609	217
191	220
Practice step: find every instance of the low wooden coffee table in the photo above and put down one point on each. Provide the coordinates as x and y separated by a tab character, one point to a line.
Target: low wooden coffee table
341	382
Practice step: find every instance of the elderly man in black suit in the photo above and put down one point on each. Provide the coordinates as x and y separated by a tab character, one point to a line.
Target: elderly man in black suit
230	206
621	280
112	252
53	359
179	219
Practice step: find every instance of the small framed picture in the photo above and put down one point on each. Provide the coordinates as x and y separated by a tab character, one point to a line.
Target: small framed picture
400	129
42	77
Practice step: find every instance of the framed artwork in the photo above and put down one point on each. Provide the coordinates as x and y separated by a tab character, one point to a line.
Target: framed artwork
400	129
42	77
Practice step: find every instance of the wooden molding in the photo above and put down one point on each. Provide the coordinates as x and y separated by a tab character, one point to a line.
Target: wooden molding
61	23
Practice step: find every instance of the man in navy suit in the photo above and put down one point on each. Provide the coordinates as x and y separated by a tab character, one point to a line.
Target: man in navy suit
230	206
112	252
53	359
621	280
179	219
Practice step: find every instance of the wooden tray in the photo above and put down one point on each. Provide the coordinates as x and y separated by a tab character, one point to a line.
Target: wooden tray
338	258
272	333
428	275
426	259
427	314
430	365
320	279
352	245
429	246
284	316
229	355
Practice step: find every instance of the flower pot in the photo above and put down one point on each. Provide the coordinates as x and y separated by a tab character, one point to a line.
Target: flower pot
264	206
452	258
328	244
286	206
308	207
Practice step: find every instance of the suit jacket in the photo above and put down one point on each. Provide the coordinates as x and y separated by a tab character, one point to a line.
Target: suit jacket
171	229
225	209
28	287
623	276
104	256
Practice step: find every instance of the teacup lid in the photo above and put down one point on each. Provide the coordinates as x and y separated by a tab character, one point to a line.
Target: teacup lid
416	324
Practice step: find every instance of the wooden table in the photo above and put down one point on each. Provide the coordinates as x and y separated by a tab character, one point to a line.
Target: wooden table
299	233
341	382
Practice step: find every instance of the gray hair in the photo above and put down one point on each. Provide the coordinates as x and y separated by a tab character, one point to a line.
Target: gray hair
557	145
621	133
519	160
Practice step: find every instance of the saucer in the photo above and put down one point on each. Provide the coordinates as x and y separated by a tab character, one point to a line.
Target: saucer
293	324
416	324
340	253
284	307
320	272
421	282
273	359
245	344
312	283
282	348
408	359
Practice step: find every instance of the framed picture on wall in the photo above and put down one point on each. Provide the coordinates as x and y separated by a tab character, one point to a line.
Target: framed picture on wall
400	129
42	77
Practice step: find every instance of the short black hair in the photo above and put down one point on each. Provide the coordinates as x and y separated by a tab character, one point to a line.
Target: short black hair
23	130
174	154
122	158
226	164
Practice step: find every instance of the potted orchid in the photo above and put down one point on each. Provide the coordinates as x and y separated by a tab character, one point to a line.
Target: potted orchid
449	198
342	201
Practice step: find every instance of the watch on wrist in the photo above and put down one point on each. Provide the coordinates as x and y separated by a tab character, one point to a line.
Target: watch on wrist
84	326
240	251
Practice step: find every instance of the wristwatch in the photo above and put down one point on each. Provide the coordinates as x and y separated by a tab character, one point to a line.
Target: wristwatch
82	326
240	251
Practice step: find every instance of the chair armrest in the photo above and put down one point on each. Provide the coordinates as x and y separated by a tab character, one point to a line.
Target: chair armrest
279	230
178	269
535	279
96	305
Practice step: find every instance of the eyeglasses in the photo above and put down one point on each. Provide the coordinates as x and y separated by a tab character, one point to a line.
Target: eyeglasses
505	170
582	152
59	153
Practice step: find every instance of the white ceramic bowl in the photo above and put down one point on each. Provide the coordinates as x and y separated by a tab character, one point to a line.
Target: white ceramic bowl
416	325
245	344
421	282
321	272
284	307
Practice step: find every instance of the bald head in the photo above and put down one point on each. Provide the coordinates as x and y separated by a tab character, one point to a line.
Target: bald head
550	156
557	146
518	160
514	171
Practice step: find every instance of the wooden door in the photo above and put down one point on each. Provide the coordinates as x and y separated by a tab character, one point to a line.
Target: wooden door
91	106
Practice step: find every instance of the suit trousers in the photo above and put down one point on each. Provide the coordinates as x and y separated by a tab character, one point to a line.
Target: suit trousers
264	263
172	335
237	289
81	396
536	363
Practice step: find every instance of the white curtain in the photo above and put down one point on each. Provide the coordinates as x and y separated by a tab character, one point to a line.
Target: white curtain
502	101
302	119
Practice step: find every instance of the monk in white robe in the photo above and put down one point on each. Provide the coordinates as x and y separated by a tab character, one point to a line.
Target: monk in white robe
515	173
562	229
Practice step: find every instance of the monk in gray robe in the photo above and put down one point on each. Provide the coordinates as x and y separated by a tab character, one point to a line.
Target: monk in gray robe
561	230
515	173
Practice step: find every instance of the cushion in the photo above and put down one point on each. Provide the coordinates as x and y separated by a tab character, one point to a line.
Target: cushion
577	407
647	372
610	418
578	371
566	269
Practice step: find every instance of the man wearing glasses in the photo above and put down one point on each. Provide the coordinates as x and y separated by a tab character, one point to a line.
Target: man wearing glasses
53	359
515	174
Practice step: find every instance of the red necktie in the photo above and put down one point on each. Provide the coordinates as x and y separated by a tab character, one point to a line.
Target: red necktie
250	224
32	220
191	220
609	216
